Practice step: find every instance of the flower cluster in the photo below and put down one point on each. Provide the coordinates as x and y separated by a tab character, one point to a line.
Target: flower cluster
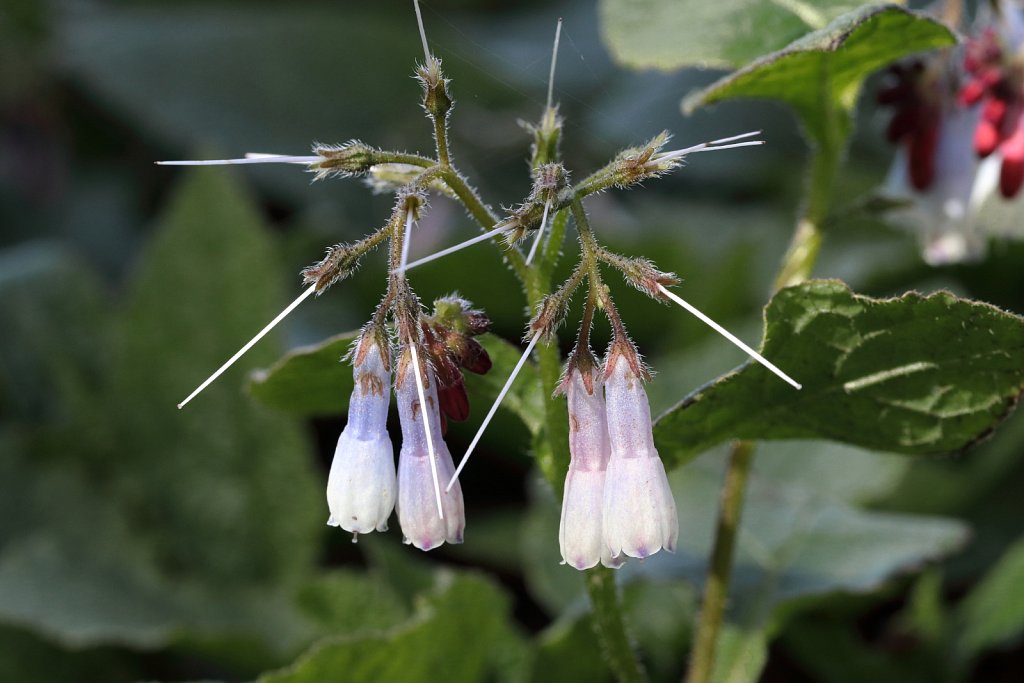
617	501
362	488
957	118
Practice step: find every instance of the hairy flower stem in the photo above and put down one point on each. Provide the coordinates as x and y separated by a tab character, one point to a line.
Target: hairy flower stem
606	617
797	266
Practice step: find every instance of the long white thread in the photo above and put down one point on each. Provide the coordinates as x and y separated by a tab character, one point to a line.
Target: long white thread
494	408
426	427
454	248
540	233
252	158
259	335
730	336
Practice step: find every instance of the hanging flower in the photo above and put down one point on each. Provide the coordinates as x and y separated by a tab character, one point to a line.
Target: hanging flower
361	487
580	534
425	467
639	512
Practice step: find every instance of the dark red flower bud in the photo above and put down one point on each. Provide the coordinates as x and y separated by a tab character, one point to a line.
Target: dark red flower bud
454	401
474	357
921	152
1011	175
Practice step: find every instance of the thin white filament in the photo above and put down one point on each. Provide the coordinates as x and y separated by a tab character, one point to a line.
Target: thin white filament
249	159
494	408
731	337
454	248
426	427
423	33
405	242
554	59
540	232
712	145
262	333
277	158
736	137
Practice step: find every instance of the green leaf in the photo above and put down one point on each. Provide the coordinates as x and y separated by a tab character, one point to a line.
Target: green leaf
45	293
740	656
794	542
914	375
667	34
993	614
794	545
820	75
312	380
221	473
308	381
455	630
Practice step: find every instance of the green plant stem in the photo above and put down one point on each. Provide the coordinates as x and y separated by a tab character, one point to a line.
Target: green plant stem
716	588
441	136
609	626
553	459
798	263
797	266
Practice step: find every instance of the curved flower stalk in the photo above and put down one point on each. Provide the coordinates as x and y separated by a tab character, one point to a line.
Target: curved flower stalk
418	516
361	487
639	511
580	530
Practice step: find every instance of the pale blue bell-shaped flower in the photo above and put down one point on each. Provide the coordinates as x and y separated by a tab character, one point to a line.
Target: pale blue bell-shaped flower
580	536
361	487
639	511
422	524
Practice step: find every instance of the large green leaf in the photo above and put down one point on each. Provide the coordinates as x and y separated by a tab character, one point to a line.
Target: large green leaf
668	34
313	381
221	473
794	545
820	75
915	375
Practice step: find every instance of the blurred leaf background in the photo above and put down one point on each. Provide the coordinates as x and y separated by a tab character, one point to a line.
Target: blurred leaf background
138	542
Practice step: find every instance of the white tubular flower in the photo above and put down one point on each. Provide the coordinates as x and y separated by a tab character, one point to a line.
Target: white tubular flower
580	536
639	512
418	516
361	487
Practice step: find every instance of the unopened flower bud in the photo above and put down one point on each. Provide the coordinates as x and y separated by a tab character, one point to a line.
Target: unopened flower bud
580	535
639	511
436	100
417	508
643	275
353	158
340	262
546	136
361	487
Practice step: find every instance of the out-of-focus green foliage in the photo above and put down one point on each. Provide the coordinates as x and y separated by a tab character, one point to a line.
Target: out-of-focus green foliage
139	542
665	34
